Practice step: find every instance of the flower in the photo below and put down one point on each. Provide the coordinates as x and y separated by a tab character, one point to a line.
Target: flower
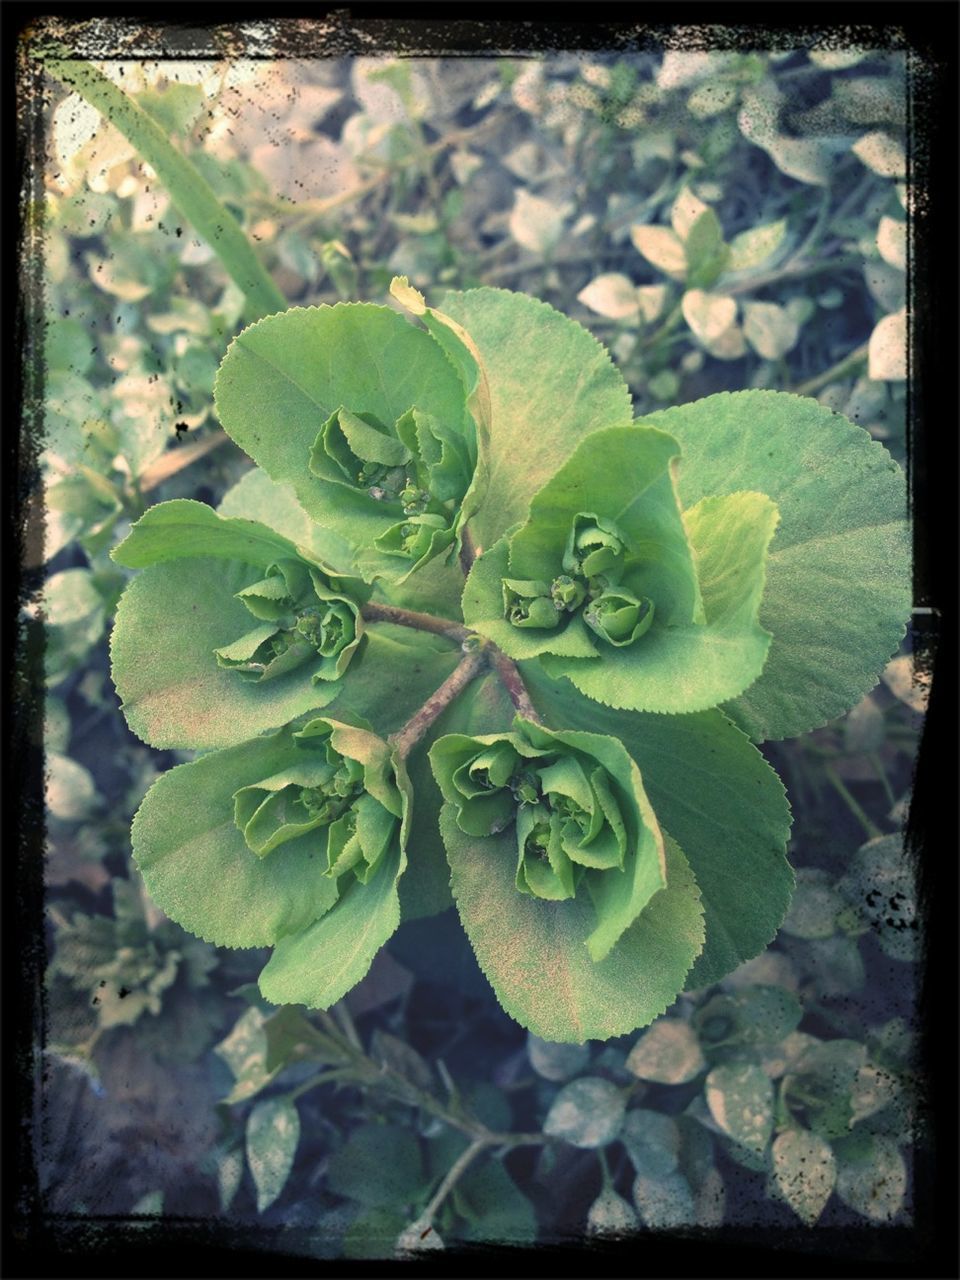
581	817
302	616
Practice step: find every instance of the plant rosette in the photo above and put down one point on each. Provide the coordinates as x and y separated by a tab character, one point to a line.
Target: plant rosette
653	598
553	842
295	840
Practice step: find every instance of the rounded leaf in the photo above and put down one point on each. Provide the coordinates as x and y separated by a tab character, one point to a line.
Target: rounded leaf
806	1172
556	1061
668	1053
586	1113
740	1098
273	1131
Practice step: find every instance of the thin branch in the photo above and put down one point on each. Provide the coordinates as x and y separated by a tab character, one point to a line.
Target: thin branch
176	459
405	739
419	621
512	681
468	551
453	1175
838	370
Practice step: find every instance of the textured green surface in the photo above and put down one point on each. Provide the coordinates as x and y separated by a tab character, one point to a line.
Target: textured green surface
550	384
534	952
197	867
283	378
712	790
838	587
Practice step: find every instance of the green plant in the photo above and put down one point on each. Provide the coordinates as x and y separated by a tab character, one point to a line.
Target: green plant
646	595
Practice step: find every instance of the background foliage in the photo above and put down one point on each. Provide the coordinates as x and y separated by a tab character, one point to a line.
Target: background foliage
720	221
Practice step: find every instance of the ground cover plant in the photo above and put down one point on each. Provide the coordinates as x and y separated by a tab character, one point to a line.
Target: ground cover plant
461	715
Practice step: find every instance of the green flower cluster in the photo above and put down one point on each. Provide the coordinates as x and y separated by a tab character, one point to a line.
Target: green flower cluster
595	563
580	815
346	786
419	468
301	616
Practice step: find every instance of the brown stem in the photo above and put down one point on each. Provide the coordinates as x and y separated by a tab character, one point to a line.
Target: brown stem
468	551
470	665
419	621
512	681
175	460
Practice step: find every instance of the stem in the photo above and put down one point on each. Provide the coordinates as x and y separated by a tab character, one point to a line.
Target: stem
405	739
188	189
453	1175
837	371
336	1073
342	1015
512	681
797	272
871	830
170	463
468	551
420	621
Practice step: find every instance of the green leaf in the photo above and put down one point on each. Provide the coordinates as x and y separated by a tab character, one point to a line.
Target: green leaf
874	1185
586	1113
273	1131
664	1202
740	1098
611	1213
283	378
319	965
533	951
805	1171
838	584
652	1141
170	621
496	1210
691	667
753	247
556	1061
540	409
256	497
717	796
705	251
668	1053
196	865
380	1165
880	884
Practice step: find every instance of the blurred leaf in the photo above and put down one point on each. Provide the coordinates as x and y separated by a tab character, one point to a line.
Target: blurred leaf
881	153
174	107
805	1171
907	683
664	1202
753	247
709	315
417	1237
273	1131
880	884
740	1098
668	1053
535	223
587	1113
495	1208
611	1213
401	1058
150	1205
864	727
711	1200
71	794
871	99
245	1052
556	1061
291	1037
380	1165
769	329
836	59
685	212
874	1185
662	247
612	295
892	242
813	911
706	253
229	1175
652	1141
